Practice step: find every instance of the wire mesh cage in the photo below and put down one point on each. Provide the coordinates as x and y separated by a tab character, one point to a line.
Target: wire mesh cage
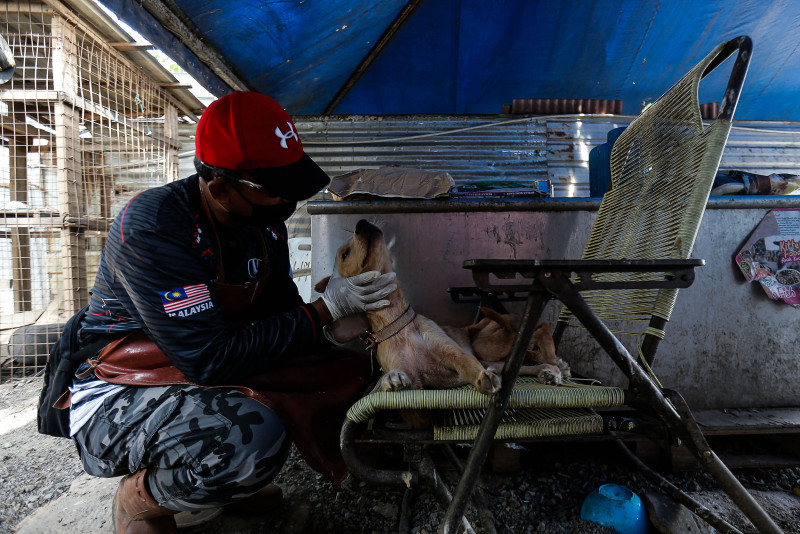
82	130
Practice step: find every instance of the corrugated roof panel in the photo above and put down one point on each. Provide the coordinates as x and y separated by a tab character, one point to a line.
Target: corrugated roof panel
469	148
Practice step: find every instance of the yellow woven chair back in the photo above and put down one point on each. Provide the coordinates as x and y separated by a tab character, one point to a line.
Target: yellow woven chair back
662	170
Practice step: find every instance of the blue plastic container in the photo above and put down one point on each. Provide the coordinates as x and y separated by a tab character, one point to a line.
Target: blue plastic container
617	507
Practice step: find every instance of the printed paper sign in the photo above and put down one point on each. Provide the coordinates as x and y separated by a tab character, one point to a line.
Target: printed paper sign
771	255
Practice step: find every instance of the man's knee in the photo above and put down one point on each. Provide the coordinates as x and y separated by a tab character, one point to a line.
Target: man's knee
255	442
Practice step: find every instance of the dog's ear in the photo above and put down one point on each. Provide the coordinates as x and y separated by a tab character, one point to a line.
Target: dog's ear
320	286
498	318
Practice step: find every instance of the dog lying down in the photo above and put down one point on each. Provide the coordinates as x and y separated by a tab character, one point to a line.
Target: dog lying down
416	353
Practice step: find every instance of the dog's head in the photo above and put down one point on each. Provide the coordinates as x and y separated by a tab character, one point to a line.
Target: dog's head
365	251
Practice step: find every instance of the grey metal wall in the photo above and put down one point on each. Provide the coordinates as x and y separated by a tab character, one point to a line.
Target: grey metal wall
727	344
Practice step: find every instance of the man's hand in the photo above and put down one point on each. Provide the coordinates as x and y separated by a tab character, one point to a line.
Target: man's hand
363	292
347	329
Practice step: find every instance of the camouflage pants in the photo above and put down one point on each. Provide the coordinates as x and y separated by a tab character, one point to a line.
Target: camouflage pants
202	447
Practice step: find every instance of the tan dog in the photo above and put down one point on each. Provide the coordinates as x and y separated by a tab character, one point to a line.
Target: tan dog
413	351
490	339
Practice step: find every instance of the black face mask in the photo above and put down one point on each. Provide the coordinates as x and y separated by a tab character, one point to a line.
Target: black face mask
267	216
263	216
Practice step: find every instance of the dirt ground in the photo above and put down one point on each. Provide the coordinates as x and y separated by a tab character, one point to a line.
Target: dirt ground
43	489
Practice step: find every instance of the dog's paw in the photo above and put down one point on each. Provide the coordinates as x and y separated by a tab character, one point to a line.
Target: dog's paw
550	375
564	366
395	380
488	381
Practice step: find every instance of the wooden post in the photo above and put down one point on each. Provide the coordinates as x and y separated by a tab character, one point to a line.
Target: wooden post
68	161
170	150
20	235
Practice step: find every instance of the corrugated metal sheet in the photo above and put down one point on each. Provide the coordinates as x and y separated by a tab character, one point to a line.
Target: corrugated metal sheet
569	141
469	148
762	147
496	148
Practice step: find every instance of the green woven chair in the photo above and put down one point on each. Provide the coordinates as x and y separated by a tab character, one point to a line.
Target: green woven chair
622	291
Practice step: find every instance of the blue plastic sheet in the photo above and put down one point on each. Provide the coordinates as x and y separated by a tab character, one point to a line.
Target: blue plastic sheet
471	57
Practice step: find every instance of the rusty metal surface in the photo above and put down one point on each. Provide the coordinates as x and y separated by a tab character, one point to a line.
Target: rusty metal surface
709	111
564	106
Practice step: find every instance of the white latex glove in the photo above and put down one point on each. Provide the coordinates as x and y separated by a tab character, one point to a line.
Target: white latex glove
359	293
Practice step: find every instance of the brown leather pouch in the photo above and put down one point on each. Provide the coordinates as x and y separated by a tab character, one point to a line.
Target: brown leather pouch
136	360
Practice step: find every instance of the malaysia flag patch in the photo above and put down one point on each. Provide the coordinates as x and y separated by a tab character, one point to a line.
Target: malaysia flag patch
187	300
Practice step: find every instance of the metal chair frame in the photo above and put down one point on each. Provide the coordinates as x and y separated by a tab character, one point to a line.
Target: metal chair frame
667	417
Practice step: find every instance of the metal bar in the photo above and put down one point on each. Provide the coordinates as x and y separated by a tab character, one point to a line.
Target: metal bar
127	46
174	85
456	205
171	17
529	268
558	332
491	420
478	497
406	512
453	205
403	479
670	489
427	471
697	443
406	12
738	73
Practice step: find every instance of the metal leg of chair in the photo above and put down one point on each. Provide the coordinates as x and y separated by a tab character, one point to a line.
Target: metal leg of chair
478	497
402	479
427	471
406	513
670	489
650	393
491	419
697	443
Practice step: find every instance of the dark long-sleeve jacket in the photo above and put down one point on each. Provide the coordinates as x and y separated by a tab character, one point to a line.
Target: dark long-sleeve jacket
158	273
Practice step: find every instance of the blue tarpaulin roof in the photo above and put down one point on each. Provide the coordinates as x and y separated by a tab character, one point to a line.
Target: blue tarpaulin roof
471	57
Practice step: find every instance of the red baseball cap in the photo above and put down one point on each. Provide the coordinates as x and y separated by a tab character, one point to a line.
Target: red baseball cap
249	131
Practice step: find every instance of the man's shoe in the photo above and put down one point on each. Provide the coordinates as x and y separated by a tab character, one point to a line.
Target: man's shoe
136	512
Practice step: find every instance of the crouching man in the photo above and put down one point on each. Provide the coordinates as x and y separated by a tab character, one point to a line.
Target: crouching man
211	364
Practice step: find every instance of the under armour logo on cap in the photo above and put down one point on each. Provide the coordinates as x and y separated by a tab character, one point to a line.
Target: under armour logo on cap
291	134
